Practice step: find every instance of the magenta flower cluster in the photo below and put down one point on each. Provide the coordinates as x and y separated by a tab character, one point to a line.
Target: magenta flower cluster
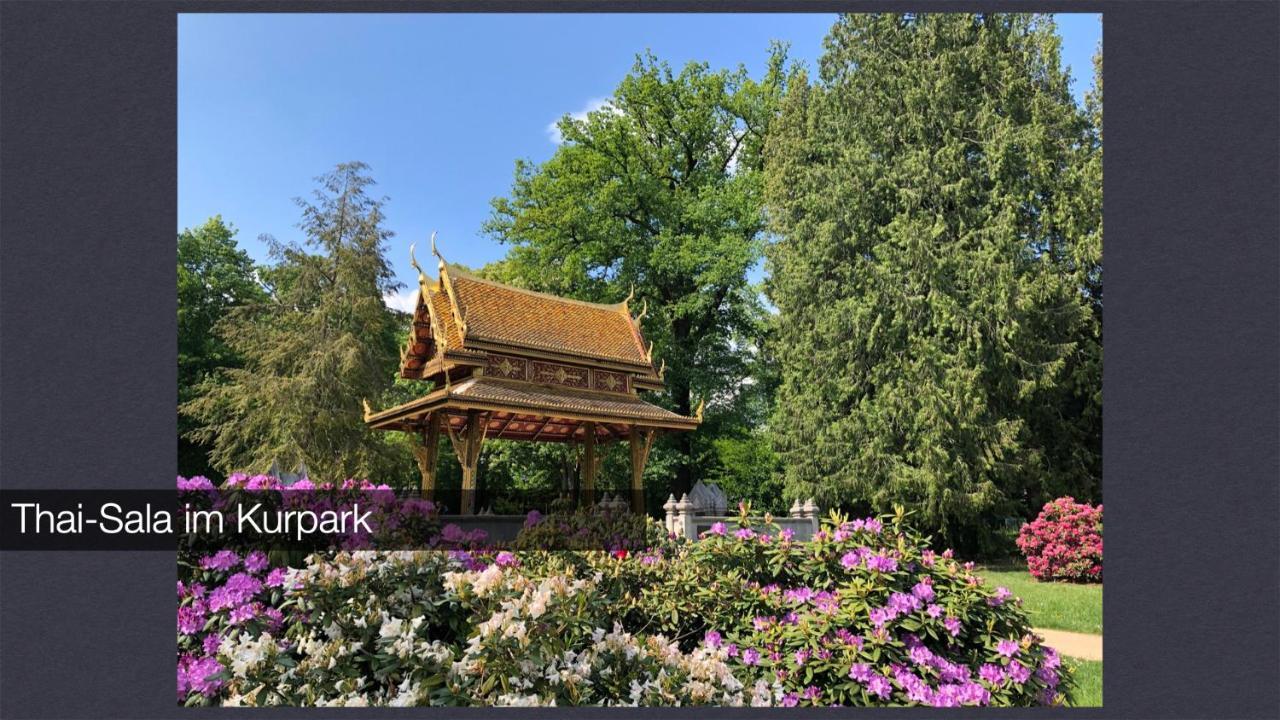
230	593
1064	542
870	603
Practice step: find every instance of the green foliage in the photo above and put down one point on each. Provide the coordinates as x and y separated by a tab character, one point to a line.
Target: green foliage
746	468
323	341
1057	605
214	275
660	191
937	197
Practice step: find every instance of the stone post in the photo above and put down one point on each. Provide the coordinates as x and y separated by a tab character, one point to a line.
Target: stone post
810	511
670	508
684	518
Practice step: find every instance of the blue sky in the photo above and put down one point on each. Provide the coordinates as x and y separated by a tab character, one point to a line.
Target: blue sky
440	106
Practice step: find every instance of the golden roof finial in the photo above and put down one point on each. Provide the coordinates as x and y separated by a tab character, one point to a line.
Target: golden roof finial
436	252
630	295
702	404
368	411
662	371
644	310
648	354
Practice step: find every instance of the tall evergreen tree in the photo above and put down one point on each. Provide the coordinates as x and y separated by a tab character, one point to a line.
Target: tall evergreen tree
214	275
938	272
324	341
661	191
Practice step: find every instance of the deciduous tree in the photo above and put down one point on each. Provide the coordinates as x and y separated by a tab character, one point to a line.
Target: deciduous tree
659	190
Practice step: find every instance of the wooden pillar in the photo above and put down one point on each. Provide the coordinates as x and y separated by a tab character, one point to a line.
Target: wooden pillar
641	441
428	453
589	463
467	448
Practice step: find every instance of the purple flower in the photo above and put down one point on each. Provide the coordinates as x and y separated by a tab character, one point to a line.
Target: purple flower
952	625
882	563
921	655
851	560
1007	648
731	650
1018	673
927	558
243	614
787	534
798	595
191	618
903	604
1002	594
222	560
993	674
872	525
934	610
813	692
880	616
879	686
745	533
1047	676
712	639
801	657
199	482
1051	659
506	559
533	518
790	700
211	643
860	672
718	529
750	657
827	603
194	675
255	561
761	623
923	590
276	577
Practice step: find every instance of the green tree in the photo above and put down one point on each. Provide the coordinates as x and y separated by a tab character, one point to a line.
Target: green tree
323	341
214	275
660	190
938	272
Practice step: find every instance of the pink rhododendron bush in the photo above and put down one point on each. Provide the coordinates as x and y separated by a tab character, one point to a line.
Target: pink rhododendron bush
1064	542
865	614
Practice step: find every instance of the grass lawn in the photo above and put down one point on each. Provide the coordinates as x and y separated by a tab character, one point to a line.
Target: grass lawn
1088	675
1056	605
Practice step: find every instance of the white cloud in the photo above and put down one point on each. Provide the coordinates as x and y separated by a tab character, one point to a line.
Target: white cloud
553	132
402	300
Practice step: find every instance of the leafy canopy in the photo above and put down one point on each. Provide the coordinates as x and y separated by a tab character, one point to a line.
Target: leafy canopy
659	190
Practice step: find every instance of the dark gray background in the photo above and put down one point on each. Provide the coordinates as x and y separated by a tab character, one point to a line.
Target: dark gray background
1192	409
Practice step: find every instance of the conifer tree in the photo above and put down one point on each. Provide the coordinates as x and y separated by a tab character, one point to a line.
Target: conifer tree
322	342
937	270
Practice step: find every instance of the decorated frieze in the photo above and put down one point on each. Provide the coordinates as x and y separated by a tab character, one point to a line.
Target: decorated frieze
511	367
608	381
557	374
506	366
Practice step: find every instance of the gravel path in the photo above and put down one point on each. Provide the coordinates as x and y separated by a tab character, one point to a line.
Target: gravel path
1081	646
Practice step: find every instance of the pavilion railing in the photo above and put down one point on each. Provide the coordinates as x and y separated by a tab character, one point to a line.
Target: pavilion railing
683	519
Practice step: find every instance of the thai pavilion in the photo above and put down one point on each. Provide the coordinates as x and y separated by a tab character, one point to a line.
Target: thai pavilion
516	364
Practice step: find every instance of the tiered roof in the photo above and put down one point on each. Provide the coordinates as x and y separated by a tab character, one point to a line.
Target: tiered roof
537	365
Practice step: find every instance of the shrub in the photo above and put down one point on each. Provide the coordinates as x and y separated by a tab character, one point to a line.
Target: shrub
1064	542
865	614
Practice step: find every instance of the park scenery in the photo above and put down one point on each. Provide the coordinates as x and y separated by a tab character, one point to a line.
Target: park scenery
786	391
